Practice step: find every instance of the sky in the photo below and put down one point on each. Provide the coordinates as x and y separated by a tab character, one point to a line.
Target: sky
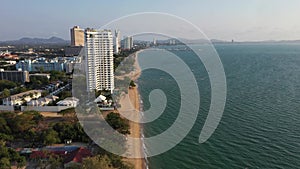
241	20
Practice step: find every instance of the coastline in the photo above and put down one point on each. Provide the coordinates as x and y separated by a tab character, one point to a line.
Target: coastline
133	98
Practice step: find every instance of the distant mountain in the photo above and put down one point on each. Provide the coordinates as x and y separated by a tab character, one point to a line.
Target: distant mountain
36	41
201	41
218	41
191	41
289	41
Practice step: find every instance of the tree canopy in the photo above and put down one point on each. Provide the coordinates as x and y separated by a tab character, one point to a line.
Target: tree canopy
6	84
118	123
9	157
50	136
97	162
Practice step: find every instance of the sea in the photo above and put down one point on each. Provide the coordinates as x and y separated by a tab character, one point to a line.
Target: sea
260	126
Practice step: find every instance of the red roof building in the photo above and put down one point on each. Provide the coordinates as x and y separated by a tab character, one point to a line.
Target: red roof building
73	156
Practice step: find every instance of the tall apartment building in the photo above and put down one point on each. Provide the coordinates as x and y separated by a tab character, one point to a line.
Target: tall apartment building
99	59
117	41
154	41
128	42
77	36
15	76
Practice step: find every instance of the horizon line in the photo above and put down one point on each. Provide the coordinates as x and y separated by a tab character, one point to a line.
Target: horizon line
211	39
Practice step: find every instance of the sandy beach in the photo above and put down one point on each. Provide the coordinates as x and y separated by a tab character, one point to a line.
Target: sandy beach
131	104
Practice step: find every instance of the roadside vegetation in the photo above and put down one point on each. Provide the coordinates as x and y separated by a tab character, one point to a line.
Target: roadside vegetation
118	123
31	130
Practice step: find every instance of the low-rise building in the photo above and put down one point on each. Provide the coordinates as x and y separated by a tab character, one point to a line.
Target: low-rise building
103	103
40	64
8	55
10	62
45	65
69	101
70	155
21	98
47	75
15	76
42	101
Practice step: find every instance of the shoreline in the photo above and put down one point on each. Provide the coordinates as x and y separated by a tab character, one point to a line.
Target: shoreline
136	129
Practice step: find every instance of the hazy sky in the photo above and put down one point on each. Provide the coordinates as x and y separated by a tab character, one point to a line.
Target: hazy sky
218	19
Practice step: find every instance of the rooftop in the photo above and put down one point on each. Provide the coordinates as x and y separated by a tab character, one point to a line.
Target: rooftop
20	95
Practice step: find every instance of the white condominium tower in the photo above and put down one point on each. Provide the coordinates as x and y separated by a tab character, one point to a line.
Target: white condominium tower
99	59
117	41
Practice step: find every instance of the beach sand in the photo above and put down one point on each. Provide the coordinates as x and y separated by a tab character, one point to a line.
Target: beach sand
131	101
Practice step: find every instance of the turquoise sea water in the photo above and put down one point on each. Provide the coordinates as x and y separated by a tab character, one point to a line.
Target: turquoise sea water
260	127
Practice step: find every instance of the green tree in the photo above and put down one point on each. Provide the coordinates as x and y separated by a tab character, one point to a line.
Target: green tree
132	84
44	93
21	162
73	131
9	156
65	94
55	162
5	163
51	137
26	121
68	112
96	162
5	93
58	75
117	123
37	82
5	137
74	166
117	161
7	84
4	128
22	89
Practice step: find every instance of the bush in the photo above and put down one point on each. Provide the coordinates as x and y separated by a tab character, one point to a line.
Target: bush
132	84
117	123
50	137
73	131
7	84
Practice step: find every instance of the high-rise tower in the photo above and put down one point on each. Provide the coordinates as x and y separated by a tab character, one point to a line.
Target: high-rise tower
117	41
77	36
99	59
128	42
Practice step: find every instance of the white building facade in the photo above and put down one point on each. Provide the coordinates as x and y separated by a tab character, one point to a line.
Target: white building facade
117	42
99	59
